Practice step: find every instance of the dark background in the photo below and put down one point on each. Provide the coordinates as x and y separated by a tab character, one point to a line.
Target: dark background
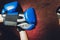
47	27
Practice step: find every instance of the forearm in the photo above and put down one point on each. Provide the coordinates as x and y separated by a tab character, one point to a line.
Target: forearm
1	18
23	35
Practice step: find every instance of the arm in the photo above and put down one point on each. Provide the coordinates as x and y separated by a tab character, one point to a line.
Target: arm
23	35
1	19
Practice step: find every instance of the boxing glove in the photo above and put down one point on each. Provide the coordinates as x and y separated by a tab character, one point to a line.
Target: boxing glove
11	13
58	12
30	19
14	16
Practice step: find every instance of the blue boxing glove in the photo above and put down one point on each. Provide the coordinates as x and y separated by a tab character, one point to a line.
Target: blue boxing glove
30	19
14	16
10	13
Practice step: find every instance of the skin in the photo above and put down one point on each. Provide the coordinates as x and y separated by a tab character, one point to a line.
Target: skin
23	35
47	27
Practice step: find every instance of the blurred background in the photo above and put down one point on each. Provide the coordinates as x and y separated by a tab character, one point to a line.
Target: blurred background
47	27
